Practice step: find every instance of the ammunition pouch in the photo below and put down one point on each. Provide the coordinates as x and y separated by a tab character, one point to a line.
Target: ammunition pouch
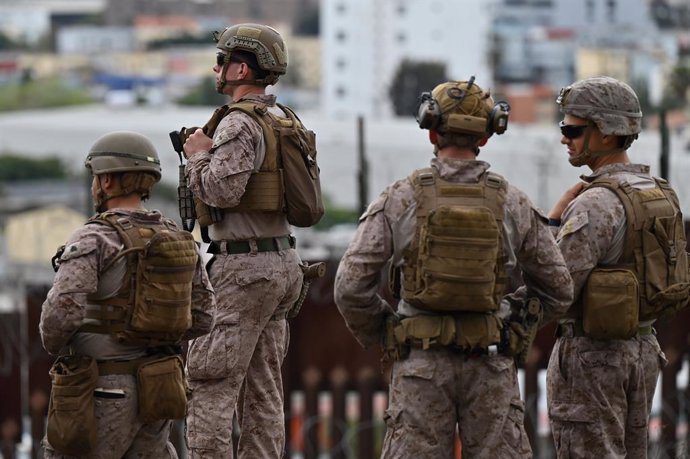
205	214
71	428
610	304
162	389
471	333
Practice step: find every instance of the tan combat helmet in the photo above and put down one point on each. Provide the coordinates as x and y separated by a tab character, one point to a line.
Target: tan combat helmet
262	41
462	107
610	104
120	152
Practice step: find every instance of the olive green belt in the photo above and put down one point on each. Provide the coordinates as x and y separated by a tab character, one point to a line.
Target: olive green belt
271	244
574	329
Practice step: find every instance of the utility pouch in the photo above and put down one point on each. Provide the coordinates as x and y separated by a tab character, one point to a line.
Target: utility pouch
164	284
427	330
71	428
477	331
162	389
611	304
205	214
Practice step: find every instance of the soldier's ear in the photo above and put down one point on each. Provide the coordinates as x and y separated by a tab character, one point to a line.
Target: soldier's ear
109	182
433	137
609	140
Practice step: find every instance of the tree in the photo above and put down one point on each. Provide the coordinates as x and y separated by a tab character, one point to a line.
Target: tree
204	94
6	43
410	80
678	85
14	168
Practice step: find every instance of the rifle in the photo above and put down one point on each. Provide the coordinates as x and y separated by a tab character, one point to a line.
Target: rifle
185	200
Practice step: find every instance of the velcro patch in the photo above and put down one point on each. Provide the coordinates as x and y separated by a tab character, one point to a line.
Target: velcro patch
78	249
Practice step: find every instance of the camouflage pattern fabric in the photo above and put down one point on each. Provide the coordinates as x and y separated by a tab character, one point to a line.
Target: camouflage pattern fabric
120	433
250	338
88	250
433	390
600	392
421	417
611	104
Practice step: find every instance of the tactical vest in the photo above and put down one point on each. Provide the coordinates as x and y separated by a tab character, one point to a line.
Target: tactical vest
288	179
153	305
654	253
455	262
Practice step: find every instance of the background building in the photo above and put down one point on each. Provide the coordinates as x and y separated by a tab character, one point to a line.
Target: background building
364	42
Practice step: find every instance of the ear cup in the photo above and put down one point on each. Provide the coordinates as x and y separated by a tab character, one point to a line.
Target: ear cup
497	122
428	112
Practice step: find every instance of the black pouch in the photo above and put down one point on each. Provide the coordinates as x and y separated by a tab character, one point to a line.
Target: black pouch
71	426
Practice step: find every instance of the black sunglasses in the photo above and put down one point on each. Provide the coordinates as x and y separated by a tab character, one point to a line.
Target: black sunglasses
220	59
572	131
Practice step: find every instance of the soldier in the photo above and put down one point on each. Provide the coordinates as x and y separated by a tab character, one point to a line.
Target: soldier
129	289
255	269
453	234
621	233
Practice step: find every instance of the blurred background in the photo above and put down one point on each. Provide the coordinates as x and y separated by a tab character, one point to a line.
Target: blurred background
73	70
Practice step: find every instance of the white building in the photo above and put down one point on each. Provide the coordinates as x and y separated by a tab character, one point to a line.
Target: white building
364	41
30	20
95	39
549	41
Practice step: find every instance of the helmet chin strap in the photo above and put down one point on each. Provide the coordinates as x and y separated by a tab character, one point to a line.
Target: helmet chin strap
100	197
223	82
586	154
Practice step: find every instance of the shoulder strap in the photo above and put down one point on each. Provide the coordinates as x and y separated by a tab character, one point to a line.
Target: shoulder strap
130	234
218	114
259	113
634	215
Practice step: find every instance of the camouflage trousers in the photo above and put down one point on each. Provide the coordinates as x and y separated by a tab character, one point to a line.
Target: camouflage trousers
236	367
432	391
600	395
120	433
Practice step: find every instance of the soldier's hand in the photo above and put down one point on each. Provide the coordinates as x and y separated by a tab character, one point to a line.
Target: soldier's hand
570	194
196	143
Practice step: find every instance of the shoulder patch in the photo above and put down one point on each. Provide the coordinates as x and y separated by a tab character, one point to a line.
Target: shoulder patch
227	133
577	222
78	249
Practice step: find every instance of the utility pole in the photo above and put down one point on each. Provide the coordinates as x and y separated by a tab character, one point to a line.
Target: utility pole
363	168
664	155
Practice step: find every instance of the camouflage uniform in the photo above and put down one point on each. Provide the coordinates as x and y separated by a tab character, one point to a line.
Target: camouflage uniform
88	251
434	390
600	391
250	338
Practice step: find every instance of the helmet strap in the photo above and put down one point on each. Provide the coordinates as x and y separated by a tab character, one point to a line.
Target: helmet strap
587	154
270	79
100	197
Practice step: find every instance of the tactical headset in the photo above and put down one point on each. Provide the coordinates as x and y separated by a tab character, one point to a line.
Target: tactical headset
429	115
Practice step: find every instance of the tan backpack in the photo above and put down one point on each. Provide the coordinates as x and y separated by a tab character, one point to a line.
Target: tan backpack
651	275
456	260
153	306
288	179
